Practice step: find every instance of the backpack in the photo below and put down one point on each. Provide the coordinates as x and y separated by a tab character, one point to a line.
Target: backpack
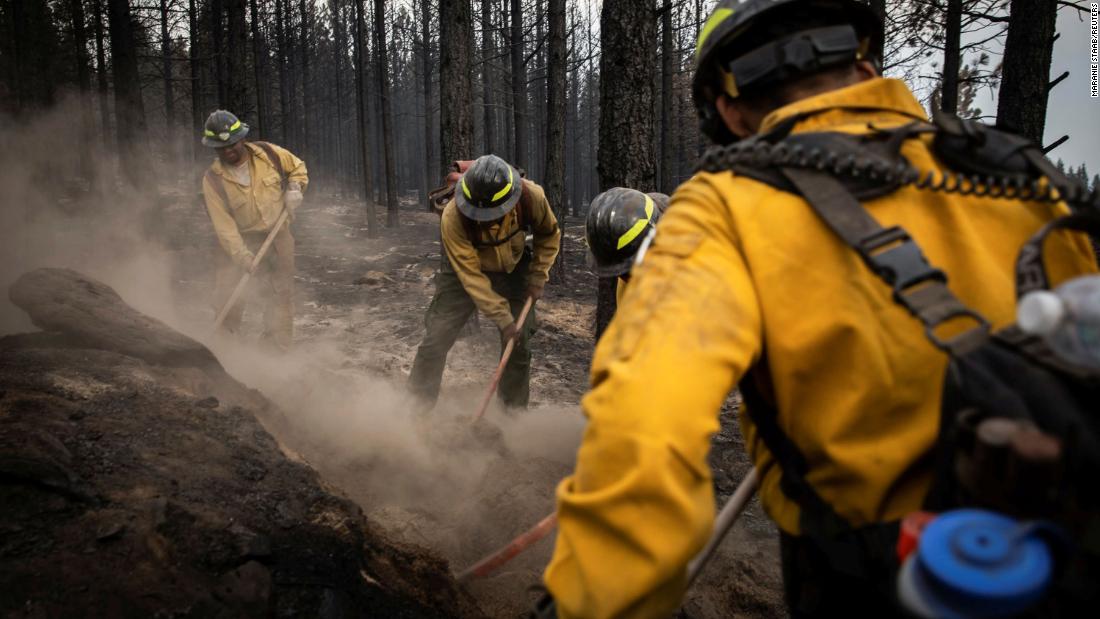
1004	377
218	183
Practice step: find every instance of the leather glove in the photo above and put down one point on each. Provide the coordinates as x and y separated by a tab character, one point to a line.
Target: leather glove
244	260
508	332
293	196
535	292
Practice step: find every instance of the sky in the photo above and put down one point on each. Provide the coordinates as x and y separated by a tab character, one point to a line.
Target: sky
1070	109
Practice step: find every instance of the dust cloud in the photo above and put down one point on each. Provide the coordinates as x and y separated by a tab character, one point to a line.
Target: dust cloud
57	211
432	478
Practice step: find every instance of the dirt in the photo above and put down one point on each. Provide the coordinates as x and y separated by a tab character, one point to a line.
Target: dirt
433	482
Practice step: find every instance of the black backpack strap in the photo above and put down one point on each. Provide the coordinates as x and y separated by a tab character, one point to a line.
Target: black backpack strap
894	257
219	186
854	551
1031	273
275	161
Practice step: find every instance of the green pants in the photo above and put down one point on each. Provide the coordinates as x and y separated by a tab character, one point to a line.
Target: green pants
451	307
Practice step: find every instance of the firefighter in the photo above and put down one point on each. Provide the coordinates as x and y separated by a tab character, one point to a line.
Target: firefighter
487	265
744	283
246	189
619	222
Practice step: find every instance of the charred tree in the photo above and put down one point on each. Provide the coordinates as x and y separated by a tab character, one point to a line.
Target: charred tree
259	68
338	50
666	98
216	34
949	91
487	52
519	87
361	116
555	127
101	74
390	172
131	127
456	44
197	119
285	83
166	72
628	32
307	85
80	49
235	58
426	75
1022	102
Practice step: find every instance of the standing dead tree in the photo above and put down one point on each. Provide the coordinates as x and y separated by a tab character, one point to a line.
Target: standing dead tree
456	44
628	36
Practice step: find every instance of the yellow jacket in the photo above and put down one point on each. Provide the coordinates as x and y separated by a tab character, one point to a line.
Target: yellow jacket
471	264
738	266
253	208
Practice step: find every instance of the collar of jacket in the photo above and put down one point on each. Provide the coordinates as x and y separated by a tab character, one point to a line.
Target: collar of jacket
219	169
887	98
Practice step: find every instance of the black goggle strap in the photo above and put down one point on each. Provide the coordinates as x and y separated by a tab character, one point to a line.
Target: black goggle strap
802	52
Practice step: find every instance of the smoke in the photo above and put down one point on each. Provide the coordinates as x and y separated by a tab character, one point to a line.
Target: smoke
430	477
61	206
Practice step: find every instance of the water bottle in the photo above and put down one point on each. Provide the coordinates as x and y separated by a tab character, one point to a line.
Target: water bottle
970	563
1068	318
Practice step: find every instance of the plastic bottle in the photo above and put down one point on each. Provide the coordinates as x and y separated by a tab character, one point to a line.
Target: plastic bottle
974	563
1068	318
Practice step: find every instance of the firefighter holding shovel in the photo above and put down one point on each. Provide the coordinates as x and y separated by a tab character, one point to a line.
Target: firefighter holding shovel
488	266
251	191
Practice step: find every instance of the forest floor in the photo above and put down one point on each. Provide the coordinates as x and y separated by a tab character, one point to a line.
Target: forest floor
431	481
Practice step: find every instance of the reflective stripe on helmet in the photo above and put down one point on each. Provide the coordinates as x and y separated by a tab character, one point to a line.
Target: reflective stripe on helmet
235	126
507	188
208	133
638	226
466	190
716	18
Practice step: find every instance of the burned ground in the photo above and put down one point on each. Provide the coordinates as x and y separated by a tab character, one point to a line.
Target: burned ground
422	482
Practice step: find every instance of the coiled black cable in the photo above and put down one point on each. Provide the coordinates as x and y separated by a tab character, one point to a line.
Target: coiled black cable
762	154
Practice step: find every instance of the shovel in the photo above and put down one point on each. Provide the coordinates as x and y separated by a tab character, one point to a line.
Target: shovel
491	389
233	298
722	525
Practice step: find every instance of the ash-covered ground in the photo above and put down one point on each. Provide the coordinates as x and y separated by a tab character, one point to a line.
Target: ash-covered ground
432	482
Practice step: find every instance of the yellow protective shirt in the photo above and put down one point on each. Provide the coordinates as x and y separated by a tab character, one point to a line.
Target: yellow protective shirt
255	207
471	264
738	267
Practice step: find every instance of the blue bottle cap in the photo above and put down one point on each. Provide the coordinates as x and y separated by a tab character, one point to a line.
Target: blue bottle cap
984	564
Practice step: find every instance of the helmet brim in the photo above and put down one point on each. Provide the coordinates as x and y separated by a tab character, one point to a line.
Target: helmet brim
481	214
233	139
617	269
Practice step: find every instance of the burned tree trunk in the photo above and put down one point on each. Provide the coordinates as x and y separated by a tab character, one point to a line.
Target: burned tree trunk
949	92
628	31
555	126
101	74
131	128
216	34
285	104
486	75
390	172
80	47
166	72
1022	103
307	108
456	123
666	97
426	74
235	56
361	117
259	55
519	87
197	119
